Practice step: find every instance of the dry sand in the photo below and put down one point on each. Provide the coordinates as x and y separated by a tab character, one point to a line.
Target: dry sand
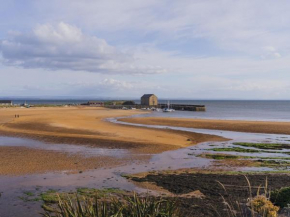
82	126
230	125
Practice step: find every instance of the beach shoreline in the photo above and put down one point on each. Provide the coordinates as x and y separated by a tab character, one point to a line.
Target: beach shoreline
266	127
85	126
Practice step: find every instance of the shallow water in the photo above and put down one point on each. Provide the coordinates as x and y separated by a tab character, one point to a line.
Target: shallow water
82	150
181	159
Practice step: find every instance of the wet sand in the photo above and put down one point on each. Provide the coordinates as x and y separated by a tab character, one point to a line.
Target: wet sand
82	126
22	161
229	125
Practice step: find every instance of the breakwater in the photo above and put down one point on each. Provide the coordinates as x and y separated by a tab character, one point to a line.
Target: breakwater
180	107
184	107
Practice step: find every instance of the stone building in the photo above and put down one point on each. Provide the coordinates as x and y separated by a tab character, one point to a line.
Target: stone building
149	100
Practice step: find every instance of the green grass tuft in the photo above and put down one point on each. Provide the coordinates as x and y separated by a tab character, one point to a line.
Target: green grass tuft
129	206
273	146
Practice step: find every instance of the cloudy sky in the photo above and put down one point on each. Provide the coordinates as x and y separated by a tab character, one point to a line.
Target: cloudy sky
191	49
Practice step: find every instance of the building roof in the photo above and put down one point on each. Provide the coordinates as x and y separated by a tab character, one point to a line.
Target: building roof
147	95
5	101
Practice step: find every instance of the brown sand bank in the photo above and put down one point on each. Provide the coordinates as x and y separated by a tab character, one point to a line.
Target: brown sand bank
81	126
230	125
21	161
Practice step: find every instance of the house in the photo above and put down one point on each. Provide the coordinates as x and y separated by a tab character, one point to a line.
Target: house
95	103
5	102
149	100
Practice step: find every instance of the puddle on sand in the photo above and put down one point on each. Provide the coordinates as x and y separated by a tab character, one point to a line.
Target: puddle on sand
82	150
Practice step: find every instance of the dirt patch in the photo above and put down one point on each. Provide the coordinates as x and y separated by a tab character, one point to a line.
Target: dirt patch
236	186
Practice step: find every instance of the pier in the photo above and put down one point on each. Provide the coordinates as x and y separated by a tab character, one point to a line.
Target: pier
184	107
177	107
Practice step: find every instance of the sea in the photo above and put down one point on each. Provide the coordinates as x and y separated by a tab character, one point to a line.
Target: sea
260	110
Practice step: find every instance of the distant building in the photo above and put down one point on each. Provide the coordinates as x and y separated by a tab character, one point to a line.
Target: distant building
149	100
95	103
5	102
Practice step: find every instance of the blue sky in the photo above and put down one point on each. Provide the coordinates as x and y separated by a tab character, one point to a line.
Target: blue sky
190	49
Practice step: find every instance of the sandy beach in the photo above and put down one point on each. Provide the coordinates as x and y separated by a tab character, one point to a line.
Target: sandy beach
82	126
22	160
229	125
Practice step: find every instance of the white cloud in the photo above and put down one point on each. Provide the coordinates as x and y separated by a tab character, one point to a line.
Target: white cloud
236	49
245	26
116	84
65	47
271	52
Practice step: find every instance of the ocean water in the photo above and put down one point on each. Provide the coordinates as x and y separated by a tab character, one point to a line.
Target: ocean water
236	110
267	110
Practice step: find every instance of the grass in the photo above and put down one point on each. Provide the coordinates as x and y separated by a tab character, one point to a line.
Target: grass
29	193
273	163
246	150
273	146
259	162
92	192
129	206
219	156
230	157
259	205
50	196
29	196
236	149
29	199
227	156
113	202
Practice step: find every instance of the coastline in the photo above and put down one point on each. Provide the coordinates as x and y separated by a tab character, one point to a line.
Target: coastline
85	126
267	127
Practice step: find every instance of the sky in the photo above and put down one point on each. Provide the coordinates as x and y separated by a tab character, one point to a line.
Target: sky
186	49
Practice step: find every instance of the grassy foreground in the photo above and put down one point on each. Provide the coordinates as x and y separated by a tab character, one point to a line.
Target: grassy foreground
117	203
127	206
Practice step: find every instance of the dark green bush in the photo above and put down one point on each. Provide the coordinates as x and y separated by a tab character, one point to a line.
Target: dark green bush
281	197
